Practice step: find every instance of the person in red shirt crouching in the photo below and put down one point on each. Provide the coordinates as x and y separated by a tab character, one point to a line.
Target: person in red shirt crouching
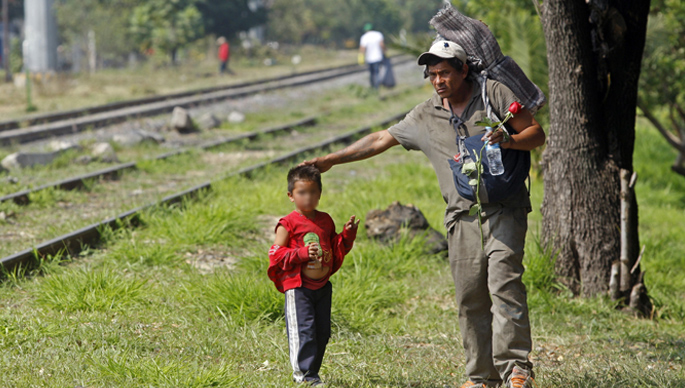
305	254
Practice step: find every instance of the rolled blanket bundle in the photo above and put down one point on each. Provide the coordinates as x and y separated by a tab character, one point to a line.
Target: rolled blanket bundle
486	56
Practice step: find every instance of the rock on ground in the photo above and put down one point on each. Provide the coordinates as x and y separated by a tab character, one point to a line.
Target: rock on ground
208	121
181	120
236	117
104	152
63	145
134	137
386	226
19	160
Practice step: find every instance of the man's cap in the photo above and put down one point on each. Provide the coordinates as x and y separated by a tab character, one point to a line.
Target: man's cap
368	27
443	49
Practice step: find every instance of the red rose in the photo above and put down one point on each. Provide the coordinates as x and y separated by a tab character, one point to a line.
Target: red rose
515	108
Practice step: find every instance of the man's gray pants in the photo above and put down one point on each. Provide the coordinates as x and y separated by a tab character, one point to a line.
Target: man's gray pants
493	308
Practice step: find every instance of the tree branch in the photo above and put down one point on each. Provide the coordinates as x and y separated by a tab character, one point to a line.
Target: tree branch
674	121
681	113
537	9
670	137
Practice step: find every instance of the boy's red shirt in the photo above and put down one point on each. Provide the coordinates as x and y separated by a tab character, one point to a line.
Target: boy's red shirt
286	263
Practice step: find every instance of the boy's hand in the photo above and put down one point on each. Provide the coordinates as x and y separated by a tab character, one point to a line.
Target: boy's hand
352	223
314	251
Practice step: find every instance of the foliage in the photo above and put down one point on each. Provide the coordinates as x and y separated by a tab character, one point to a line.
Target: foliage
16	56
416	14
662	80
516	25
228	17
107	320
291	21
166	24
313	21
90	290
107	19
16	9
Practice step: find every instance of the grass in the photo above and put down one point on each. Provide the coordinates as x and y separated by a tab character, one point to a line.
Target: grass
154	179
338	108
137	313
69	91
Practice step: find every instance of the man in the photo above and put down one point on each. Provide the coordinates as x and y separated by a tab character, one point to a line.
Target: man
372	48
493	310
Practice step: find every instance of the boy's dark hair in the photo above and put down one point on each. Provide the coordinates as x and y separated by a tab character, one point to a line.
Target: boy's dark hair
303	173
434	60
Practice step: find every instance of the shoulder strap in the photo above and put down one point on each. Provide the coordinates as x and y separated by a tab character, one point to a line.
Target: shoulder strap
483	80
456	122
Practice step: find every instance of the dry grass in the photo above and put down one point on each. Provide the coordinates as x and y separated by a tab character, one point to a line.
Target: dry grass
68	91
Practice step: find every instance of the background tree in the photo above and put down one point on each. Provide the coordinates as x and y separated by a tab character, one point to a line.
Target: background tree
291	21
517	27
594	50
106	20
16	9
228	17
168	25
332	22
416	14
662	84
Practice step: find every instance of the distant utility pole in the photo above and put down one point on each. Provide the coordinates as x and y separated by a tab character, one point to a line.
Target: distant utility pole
6	39
40	49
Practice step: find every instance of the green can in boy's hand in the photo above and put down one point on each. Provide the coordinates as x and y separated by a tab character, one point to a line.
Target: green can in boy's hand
312	237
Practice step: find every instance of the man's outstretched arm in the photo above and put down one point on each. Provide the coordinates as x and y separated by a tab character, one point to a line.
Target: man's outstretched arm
366	147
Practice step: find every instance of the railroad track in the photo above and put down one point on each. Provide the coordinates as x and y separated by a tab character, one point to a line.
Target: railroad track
61	123
74	242
22	197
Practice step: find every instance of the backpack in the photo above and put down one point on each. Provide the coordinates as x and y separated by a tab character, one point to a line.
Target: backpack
493	188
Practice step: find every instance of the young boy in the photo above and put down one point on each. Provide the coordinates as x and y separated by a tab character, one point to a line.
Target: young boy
306	252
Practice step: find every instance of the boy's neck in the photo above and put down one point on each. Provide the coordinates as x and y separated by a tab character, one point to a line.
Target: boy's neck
309	214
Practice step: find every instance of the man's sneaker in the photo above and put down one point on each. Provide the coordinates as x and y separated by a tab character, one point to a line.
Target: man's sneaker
472	384
520	378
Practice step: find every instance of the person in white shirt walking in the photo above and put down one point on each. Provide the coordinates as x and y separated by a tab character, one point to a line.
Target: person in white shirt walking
372	48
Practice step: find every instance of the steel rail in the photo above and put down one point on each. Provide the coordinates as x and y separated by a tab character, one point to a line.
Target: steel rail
22	197
62	115
108	117
74	242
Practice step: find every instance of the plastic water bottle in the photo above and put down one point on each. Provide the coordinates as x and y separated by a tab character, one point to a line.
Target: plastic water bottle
494	155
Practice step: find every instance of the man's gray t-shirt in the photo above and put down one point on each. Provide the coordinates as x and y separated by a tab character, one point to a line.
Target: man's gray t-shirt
427	128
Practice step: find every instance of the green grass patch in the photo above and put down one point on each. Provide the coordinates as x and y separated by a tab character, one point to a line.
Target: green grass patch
90	290
142	312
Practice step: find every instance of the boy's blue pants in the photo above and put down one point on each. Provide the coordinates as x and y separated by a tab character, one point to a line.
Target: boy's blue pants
308	323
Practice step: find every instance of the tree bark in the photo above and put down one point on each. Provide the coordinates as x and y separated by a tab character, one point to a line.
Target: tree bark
594	50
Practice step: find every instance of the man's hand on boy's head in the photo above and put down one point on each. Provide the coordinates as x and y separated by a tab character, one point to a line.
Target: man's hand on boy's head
352	223
319	163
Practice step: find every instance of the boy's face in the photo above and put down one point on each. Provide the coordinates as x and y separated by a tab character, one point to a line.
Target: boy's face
305	195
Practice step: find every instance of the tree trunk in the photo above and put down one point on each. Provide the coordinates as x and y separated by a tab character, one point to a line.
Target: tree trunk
594	51
174	52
